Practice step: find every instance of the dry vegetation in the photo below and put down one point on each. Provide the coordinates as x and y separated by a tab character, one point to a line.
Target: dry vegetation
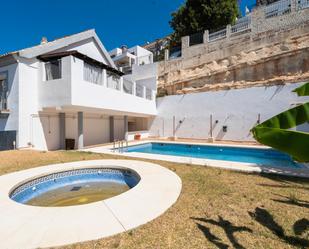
216	209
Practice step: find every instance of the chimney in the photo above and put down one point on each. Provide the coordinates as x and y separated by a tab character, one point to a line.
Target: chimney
43	40
124	48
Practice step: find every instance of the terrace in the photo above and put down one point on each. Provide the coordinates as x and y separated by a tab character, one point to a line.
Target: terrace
64	82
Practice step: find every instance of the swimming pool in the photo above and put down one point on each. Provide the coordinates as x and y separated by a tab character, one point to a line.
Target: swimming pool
259	156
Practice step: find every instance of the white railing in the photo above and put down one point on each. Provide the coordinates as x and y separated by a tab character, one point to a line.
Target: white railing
242	24
139	92
303	4
148	94
217	35
113	82
278	8
128	86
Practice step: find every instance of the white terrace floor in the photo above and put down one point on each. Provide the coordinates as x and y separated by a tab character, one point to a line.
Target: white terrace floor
23	226
237	166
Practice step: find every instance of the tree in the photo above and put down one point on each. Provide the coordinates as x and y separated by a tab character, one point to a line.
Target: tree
277	133
196	16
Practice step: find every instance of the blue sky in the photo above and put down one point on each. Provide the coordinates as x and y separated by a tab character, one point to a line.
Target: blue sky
116	22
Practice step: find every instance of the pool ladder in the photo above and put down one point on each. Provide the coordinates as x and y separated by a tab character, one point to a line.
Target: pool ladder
121	146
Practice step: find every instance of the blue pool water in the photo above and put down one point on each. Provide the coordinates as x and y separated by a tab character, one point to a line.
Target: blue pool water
265	157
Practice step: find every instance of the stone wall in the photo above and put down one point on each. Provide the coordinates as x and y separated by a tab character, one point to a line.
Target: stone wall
270	51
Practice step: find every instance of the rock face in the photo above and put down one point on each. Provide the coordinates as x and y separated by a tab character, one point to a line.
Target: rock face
263	56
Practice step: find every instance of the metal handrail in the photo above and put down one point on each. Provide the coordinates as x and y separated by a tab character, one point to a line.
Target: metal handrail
120	145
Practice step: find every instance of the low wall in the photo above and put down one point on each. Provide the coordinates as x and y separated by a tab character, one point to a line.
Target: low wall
238	110
271	50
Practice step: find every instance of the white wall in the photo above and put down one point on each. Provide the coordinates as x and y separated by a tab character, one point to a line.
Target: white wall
106	98
45	129
143	55
11	122
45	132
96	130
145	75
119	128
237	109
115	52
28	98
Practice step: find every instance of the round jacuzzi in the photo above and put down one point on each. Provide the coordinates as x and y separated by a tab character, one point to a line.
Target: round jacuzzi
46	202
75	187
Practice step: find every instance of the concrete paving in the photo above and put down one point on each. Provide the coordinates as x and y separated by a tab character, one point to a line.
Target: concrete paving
24	226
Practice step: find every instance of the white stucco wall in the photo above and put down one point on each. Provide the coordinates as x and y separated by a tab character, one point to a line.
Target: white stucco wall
237	109
119	128
10	122
106	98
28	99
145	75
46	130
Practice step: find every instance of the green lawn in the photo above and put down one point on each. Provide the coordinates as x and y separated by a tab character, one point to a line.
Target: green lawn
216	209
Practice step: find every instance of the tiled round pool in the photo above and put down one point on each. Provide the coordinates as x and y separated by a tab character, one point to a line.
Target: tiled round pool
41	207
75	187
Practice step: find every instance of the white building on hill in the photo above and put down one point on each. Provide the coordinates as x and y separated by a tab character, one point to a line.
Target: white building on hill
69	88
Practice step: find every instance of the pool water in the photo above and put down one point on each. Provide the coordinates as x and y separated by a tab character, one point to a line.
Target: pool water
76	193
265	157
75	187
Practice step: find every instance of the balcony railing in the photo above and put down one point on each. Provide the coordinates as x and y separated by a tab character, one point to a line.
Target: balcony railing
128	86
241	25
113	82
278	8
148	94
217	35
196	39
139	91
143	60
303	4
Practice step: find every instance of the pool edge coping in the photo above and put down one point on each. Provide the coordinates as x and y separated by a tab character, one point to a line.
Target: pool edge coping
228	165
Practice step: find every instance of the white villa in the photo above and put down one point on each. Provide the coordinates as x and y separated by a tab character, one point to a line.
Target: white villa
126	59
70	88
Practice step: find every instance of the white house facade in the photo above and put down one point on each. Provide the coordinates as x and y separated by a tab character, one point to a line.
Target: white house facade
69	89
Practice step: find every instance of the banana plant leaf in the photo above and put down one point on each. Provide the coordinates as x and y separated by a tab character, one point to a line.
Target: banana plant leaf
276	131
302	90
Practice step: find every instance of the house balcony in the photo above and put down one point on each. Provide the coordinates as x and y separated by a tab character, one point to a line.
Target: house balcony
78	90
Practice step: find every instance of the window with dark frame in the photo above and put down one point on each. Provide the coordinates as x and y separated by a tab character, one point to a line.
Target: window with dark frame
53	70
3	91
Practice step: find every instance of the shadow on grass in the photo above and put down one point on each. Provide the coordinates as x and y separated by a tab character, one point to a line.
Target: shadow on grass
292	201
301	226
263	217
228	228
286	181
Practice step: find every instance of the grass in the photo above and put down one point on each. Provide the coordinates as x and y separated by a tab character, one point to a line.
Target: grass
216	209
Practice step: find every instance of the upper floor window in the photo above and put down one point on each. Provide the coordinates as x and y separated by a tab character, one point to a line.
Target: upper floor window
53	70
3	91
93	74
